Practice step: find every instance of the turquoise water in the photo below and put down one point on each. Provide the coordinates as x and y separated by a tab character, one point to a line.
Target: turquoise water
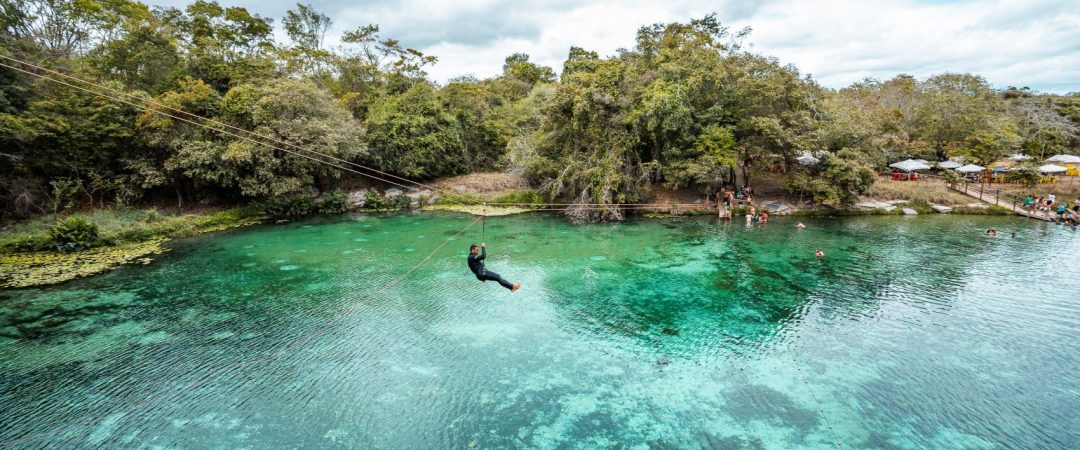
913	332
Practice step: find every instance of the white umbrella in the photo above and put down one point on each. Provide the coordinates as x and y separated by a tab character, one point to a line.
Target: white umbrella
949	164
1019	157
909	165
970	168
1052	168
807	160
1068	159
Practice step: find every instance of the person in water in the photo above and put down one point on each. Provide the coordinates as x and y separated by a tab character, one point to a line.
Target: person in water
991	232
800	226
819	253
476	265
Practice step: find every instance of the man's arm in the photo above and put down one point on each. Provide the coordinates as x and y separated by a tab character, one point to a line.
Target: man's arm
483	252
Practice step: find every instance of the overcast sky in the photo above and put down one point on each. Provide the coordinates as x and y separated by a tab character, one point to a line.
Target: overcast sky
1033	43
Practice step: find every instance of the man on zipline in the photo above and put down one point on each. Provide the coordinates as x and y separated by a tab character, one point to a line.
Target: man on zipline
476	265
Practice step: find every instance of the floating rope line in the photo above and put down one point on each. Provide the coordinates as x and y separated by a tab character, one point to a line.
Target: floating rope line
215	374
821	407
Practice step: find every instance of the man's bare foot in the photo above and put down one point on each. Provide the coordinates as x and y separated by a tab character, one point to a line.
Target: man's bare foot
516	287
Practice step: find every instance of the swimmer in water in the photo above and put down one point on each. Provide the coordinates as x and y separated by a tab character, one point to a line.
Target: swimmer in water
819	253
991	232
800	226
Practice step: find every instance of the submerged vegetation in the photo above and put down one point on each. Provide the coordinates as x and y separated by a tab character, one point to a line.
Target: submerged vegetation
46	251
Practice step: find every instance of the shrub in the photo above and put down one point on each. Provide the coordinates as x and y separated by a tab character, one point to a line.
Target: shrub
401	201
372	200
152	216
525	196
26	242
1026	174
334	202
73	233
299	206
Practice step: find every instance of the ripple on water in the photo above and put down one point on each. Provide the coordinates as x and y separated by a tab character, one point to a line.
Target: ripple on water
910	335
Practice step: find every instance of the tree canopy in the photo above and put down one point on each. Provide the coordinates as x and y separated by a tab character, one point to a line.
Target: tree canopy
685	107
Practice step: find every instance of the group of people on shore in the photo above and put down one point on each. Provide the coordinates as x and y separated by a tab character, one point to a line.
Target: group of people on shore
1066	214
727	197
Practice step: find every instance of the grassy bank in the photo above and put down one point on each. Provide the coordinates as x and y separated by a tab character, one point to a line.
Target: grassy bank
30	253
925	191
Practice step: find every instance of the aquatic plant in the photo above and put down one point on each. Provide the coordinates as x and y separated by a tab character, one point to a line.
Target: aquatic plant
372	200
400	201
291	207
43	268
72	234
334	202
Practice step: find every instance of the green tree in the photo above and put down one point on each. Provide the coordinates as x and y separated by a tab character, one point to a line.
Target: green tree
518	67
956	108
411	135
307	29
223	46
838	181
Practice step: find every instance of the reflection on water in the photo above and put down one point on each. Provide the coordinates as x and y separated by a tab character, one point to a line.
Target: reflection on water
911	333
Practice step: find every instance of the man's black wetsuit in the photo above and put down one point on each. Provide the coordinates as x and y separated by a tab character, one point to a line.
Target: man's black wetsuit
476	265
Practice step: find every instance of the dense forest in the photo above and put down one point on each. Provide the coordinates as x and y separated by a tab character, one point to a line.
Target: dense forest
686	107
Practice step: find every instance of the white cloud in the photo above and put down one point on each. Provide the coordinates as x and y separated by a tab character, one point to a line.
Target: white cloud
1032	43
1009	42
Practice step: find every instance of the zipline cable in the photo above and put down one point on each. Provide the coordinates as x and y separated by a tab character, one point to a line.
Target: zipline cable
214	121
251	135
201	125
213	375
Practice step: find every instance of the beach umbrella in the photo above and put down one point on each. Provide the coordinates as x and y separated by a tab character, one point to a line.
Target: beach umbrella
949	164
1068	159
1052	168
970	168
909	165
1019	157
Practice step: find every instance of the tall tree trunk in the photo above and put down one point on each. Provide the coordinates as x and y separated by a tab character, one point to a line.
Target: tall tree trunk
179	197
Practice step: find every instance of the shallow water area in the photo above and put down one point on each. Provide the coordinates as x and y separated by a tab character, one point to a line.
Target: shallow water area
912	333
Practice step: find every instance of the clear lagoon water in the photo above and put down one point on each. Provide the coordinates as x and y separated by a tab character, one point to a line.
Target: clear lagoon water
912	333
